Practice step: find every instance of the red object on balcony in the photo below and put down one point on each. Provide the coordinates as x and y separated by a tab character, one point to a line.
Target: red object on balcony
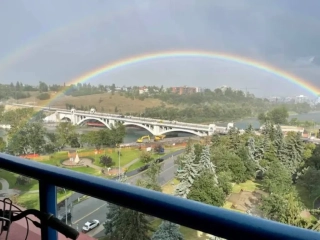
18	230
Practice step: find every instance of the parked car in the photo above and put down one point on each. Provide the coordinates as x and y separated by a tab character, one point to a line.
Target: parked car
63	217
143	168
159	160
88	226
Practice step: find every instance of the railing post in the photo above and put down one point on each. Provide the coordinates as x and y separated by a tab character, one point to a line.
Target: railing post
48	204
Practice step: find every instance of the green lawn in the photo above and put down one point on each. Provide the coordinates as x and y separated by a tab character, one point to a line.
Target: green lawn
86	170
135	166
31	200
127	155
56	158
249	186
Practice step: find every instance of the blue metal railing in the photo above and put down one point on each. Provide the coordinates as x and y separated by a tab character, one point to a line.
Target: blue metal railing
217	221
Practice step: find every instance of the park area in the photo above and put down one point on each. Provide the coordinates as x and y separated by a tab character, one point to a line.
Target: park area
26	193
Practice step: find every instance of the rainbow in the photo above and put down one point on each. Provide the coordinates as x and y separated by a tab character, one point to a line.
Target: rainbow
187	54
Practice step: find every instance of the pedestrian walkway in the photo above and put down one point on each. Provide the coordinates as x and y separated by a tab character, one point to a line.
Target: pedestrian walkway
5	190
5	184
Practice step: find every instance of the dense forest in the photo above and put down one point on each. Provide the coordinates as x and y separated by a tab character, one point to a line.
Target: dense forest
284	171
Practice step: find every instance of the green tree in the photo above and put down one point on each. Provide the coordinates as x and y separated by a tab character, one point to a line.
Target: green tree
262	117
146	157
150	177
43	96
225	180
106	161
283	208
243	154
205	190
126	224
66	132
205	163
310	181
294	149
29	139
117	134
3	145
167	230
23	180
278	115
277	179
197	151
250	129
43	87
187	174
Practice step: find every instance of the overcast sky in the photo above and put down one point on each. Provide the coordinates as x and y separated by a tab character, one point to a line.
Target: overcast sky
56	41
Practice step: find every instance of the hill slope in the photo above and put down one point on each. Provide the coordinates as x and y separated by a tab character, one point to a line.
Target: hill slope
104	102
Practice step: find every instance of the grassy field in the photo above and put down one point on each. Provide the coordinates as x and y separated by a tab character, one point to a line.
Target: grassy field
248	186
127	156
109	102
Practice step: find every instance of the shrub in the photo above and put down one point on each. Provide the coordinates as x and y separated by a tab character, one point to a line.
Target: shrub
43	96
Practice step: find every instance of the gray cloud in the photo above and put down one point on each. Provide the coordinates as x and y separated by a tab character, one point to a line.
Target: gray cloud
57	41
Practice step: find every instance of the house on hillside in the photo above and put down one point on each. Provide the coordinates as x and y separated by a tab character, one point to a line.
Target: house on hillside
143	90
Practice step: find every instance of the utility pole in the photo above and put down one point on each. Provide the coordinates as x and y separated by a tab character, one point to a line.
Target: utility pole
119	160
66	206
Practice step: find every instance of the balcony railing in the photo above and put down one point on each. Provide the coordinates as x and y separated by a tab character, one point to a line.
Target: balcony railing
213	220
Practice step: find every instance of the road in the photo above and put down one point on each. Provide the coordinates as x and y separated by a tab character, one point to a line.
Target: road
93	208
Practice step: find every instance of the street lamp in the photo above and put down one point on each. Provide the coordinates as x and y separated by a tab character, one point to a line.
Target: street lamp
66	206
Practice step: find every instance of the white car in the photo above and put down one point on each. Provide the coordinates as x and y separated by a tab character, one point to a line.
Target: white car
90	225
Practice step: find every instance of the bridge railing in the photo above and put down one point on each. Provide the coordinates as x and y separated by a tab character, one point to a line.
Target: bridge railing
213	220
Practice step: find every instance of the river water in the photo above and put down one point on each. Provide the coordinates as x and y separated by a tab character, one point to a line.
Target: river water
132	134
313	116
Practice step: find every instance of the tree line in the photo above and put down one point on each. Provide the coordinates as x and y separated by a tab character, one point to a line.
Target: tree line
28	134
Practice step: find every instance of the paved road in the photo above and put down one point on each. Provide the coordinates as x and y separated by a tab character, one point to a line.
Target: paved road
93	208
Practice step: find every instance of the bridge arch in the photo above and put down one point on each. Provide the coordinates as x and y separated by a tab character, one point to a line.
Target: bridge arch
139	125
66	118
183	130
92	118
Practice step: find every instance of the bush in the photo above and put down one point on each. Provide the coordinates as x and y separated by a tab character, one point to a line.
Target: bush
106	161
23	180
43	96
146	157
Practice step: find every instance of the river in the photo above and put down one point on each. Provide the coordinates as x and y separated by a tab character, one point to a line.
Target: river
132	134
313	116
